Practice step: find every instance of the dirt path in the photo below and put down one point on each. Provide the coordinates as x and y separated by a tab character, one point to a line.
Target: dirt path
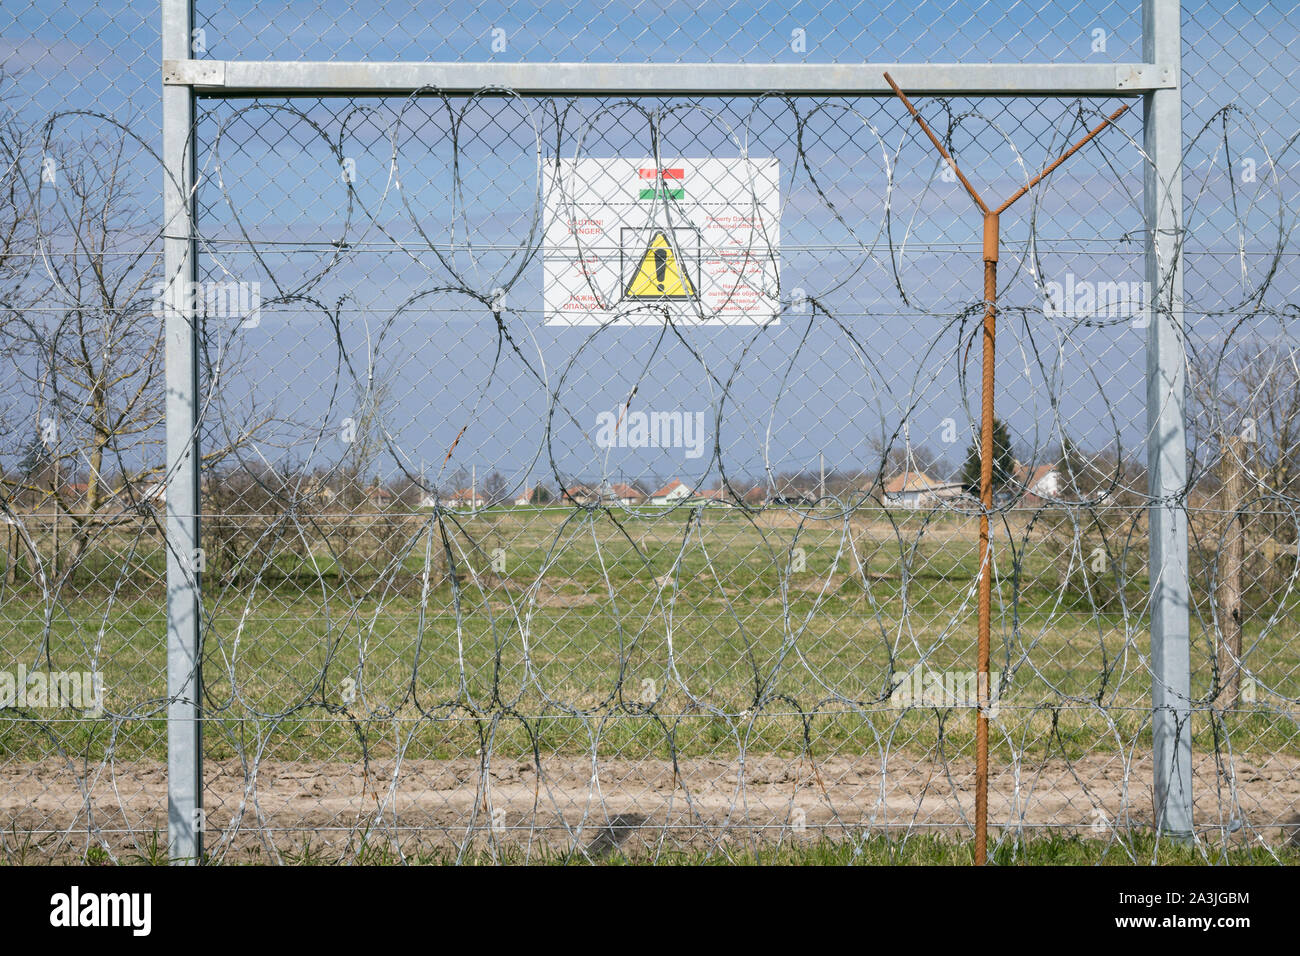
571	801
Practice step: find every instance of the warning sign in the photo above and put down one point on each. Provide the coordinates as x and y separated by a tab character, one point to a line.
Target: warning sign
627	240
660	271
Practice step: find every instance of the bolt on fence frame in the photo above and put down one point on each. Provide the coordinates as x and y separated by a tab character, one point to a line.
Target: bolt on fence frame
1156	79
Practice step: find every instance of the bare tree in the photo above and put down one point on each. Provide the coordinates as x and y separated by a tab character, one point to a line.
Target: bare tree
81	334
364	438
1252	391
17	248
494	489
83	338
899	456
1246	427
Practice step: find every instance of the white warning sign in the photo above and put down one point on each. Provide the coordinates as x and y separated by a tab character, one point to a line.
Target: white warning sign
627	239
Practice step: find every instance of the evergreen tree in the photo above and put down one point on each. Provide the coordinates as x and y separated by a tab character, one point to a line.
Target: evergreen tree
1004	463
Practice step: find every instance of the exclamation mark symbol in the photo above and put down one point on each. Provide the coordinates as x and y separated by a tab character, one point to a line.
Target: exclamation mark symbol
661	267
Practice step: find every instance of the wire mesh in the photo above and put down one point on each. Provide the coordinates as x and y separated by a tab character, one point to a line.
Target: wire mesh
488	571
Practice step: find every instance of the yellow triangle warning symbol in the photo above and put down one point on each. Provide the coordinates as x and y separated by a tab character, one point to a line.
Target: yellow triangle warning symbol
660	275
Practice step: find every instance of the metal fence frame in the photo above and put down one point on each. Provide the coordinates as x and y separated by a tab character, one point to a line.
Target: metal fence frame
1157	80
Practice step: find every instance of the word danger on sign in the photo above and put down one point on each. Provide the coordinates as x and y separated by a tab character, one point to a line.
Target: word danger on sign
628	240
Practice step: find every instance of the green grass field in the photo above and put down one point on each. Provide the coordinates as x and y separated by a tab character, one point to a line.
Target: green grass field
726	627
629	641
919	850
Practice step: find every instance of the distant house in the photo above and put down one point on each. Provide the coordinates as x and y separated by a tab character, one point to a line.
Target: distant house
1040	486
915	490
580	495
317	488
134	493
76	491
379	496
720	495
671	493
754	497
466	498
536	495
618	493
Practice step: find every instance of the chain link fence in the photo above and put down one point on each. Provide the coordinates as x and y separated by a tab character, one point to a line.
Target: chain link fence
597	476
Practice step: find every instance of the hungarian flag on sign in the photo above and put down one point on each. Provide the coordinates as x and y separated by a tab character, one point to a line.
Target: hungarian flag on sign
671	181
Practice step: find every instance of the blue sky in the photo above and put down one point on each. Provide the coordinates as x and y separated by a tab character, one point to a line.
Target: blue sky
795	392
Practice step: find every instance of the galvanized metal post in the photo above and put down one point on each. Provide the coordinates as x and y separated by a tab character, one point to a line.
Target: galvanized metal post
184	559
1166	435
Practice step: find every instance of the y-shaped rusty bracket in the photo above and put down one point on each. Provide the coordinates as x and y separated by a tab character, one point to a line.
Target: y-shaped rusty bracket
991	243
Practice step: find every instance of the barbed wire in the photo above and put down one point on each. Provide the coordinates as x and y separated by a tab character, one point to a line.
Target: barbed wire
805	682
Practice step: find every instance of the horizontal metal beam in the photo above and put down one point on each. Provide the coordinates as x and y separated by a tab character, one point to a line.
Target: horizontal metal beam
246	78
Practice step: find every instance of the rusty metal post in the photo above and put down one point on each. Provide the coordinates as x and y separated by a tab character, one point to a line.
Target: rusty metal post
1231	559
991	244
986	544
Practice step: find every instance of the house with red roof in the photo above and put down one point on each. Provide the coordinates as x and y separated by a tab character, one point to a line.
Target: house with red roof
617	493
1039	486
915	490
580	495
670	494
466	498
720	495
